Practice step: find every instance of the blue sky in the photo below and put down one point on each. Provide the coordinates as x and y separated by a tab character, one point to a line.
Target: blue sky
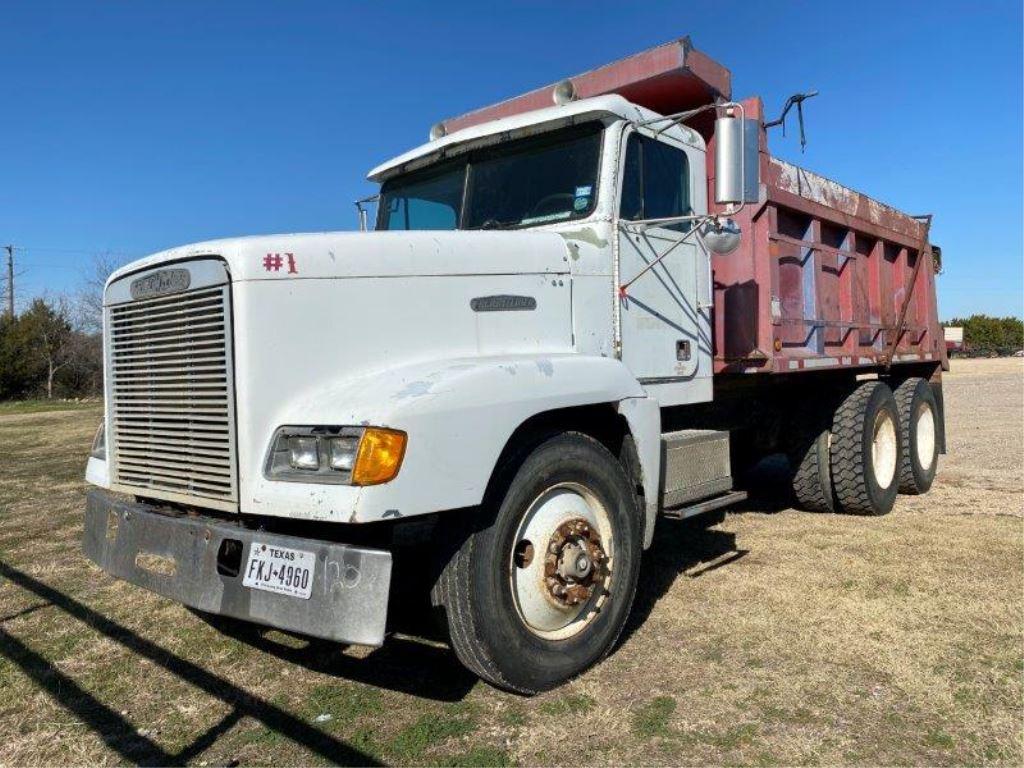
131	127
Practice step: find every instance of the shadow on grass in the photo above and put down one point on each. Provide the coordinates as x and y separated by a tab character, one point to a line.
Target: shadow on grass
402	664
695	547
768	485
678	546
117	732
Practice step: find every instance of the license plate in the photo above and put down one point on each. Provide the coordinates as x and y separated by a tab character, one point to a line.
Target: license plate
278	569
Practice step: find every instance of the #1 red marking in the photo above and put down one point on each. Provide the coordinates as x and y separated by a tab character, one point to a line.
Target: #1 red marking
273	262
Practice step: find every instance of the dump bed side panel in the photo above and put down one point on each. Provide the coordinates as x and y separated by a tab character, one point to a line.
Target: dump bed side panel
820	278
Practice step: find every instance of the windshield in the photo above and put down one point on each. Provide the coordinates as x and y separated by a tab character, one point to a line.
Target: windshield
521	183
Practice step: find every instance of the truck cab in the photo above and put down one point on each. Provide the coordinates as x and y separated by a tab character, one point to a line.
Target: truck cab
602	174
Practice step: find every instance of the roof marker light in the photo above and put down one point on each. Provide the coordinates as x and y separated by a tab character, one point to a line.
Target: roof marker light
564	93
437	131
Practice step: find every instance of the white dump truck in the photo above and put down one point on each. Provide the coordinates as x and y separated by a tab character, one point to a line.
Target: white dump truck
582	310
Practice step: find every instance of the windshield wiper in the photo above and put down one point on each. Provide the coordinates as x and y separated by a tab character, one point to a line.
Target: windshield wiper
495	224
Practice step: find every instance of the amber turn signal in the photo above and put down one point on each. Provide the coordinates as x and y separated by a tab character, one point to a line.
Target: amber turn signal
380	456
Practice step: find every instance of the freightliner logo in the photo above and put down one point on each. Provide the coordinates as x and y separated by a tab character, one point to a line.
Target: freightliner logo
161	283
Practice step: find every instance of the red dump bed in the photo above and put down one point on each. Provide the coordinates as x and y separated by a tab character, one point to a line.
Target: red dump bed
823	274
822	277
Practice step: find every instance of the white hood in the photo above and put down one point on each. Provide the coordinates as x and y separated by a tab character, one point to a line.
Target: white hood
373	254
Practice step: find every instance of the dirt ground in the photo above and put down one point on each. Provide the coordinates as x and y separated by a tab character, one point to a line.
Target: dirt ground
774	637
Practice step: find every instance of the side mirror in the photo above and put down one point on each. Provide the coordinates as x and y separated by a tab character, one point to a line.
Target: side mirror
364	215
720	235
737	170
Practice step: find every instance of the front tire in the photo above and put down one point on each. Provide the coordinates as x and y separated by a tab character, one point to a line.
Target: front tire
541	588
866	450
919	429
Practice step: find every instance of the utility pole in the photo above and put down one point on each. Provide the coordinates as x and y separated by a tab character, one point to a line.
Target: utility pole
10	280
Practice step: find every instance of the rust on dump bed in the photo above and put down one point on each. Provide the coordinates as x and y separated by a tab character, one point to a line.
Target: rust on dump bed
785	177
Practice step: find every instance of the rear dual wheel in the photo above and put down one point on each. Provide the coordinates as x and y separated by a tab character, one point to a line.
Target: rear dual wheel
812	476
879	443
850	462
866	450
919	432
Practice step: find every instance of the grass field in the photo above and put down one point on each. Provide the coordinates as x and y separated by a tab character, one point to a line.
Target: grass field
15	407
774	637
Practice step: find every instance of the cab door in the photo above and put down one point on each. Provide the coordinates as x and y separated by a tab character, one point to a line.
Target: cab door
664	308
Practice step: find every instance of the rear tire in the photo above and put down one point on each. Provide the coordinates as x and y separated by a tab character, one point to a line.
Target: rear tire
919	430
866	450
507	623
812	475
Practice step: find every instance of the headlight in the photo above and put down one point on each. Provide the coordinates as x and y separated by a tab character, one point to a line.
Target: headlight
304	452
99	443
340	455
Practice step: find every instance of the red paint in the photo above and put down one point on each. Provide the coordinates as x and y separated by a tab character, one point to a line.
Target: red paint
273	262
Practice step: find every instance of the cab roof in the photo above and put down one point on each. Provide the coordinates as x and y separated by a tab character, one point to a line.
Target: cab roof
523	124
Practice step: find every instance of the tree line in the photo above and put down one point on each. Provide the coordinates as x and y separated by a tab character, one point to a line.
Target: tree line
54	348
984	335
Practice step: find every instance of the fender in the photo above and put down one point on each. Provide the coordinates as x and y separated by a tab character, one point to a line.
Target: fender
643	415
458	414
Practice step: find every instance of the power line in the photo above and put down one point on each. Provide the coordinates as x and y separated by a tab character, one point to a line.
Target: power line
81	251
95	253
58	264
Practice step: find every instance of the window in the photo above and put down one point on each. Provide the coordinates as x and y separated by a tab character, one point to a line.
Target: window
429	203
523	183
655	183
632	204
541	182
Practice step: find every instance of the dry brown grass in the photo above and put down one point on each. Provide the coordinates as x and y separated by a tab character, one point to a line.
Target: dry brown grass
773	637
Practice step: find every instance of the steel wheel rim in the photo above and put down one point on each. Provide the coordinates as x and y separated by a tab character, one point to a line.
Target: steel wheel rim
541	613
883	449
924	428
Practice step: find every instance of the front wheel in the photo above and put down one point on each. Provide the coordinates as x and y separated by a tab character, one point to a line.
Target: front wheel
541	587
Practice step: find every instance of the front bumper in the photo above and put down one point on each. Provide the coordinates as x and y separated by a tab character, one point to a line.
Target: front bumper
350	584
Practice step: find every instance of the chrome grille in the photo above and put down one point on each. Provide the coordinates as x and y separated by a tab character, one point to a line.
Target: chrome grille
171	397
